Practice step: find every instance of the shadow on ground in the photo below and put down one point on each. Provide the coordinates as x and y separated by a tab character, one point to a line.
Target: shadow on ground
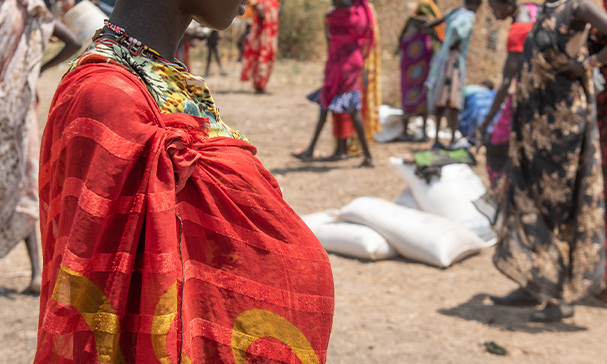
10	293
506	318
304	168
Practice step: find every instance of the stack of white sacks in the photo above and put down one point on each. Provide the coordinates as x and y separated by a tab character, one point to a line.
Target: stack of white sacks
433	223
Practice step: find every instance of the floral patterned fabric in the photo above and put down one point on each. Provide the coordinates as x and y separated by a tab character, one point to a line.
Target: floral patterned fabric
596	42
174	91
416	51
550	221
25	27
262	44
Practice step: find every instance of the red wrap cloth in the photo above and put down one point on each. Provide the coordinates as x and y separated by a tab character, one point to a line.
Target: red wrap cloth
342	126
517	35
351	38
162	246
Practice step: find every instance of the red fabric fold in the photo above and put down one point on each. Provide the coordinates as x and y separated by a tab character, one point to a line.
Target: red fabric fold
163	246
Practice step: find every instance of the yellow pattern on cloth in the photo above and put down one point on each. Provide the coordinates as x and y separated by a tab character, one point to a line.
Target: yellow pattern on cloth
173	90
372	90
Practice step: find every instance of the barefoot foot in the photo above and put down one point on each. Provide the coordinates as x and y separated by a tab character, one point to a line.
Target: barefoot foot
305	155
367	163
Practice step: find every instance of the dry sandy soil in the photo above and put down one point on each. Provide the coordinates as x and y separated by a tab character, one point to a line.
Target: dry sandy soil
392	311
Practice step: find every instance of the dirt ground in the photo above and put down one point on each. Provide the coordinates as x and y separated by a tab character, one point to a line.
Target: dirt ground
386	312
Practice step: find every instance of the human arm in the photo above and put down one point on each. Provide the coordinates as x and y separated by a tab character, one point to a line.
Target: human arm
72	45
428	28
433	23
510	68
588	13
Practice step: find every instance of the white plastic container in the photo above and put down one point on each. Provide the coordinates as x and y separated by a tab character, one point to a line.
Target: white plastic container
84	19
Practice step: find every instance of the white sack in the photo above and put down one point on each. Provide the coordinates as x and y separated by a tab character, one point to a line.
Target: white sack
406	199
348	239
391	121
416	235
451	196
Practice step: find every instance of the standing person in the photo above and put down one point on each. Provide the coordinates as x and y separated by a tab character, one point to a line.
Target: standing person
350	35
262	44
165	240
550	221
416	50
371	98
496	144
213	52
448	67
25	27
194	31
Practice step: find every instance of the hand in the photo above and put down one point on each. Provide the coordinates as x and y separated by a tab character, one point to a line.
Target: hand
572	71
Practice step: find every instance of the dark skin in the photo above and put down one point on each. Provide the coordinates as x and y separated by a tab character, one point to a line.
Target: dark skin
501	11
452	113
31	242
213	52
587	13
161	24
341	151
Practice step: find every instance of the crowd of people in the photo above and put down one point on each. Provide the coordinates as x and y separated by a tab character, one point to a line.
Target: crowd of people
156	217
547	200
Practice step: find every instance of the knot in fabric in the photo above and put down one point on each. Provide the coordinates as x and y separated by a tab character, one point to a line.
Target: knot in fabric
184	134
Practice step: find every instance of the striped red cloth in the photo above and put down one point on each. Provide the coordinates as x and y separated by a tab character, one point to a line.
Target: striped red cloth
163	246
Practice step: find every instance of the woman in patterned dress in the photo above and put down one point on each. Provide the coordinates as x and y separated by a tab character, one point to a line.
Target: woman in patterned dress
25	27
262	44
596	42
416	51
550	219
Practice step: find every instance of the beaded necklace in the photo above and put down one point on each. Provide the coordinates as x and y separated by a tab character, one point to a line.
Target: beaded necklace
135	45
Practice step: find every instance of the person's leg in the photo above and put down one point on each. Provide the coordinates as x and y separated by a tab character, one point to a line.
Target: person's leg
32	250
218	60
406	137
453	114
209	58
341	151
439	116
357	120
424	134
309	153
